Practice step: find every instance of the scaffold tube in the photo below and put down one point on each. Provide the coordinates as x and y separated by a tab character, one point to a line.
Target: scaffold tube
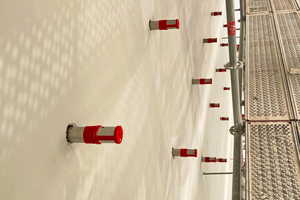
236	179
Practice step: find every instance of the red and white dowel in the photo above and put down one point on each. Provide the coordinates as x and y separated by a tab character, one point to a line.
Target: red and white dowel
216	13
164	24
94	134
226	45
210	40
226	88
224	118
209	159
221	70
202	81
214	105
222	160
184	152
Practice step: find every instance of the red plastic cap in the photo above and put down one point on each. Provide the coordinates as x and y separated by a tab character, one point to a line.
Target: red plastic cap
205	81
118	134
196	153
210	159
224	118
223	160
220	70
183	153
215	105
210	40
177	23
216	13
90	134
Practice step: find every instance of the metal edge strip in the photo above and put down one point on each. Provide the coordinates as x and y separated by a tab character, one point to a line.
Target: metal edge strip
247	69
248	172
271	5
259	13
268	121
285	11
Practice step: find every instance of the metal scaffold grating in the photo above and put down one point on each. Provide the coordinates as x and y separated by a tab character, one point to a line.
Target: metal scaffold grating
265	94
273	162
283	5
289	37
257	6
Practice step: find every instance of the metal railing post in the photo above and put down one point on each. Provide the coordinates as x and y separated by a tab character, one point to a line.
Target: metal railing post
241	45
234	67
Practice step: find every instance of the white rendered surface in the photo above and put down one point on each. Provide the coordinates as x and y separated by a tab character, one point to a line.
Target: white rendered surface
97	63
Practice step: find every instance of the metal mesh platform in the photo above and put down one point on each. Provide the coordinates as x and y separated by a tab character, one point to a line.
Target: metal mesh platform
257	6
273	161
265	94
289	37
283	5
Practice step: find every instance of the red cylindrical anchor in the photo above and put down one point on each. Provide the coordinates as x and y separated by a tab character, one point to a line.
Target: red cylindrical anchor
226	88
214	105
216	13
225	25
226	45
223	160
224	118
94	134
184	152
164	24
210	40
221	70
202	81
243	116
209	159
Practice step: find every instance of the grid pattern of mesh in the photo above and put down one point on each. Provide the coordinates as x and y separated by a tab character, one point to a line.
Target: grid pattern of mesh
281	5
289	36
289	26
266	97
257	6
274	165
